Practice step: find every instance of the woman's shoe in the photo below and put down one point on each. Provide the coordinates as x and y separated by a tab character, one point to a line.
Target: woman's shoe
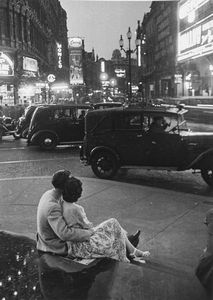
139	254
135	238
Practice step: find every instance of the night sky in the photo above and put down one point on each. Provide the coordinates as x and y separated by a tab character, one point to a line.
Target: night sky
101	23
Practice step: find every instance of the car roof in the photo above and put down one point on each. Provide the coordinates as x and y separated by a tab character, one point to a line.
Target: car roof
107	103
64	105
165	110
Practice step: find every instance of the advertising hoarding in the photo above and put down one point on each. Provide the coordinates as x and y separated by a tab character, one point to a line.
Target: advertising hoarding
75	59
6	65
195	37
30	64
59	53
196	41
189	7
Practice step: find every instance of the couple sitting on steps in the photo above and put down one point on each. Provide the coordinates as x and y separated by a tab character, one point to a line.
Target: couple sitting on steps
63	228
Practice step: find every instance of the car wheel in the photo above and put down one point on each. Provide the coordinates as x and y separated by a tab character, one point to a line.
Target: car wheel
104	165
16	135
47	141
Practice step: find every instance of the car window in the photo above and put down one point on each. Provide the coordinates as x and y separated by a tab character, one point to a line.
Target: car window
63	113
168	122
81	113
146	123
132	121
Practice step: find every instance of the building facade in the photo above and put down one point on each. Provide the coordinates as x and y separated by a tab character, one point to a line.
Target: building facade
195	47
159	49
33	45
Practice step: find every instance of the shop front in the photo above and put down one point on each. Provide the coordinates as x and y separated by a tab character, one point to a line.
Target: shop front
29	88
6	79
195	47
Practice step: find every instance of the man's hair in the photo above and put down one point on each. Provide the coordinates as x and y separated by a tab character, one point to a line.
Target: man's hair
59	178
72	190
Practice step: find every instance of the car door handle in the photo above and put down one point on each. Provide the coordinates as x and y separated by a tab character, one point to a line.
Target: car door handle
139	135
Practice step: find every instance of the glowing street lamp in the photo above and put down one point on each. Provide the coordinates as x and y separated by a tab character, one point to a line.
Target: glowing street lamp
128	52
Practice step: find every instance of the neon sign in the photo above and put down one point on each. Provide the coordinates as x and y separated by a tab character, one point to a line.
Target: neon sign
59	53
30	64
196	41
120	73
189	7
75	42
6	65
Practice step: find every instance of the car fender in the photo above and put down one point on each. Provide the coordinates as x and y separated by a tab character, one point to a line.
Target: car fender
103	148
35	136
195	164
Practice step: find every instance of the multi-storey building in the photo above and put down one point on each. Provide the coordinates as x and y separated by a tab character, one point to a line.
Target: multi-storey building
33	45
195	47
159	49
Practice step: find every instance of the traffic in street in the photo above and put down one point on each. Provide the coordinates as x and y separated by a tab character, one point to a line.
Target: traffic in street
19	160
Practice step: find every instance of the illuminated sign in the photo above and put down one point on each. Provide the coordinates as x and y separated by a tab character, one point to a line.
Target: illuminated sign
188	9
196	41
59	53
102	66
120	73
51	77
30	64
76	71
103	76
75	42
6	65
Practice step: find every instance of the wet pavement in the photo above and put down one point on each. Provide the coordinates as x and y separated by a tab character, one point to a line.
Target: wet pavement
26	276
172	229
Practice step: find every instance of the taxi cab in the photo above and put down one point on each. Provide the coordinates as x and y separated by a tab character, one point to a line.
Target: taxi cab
53	125
122	137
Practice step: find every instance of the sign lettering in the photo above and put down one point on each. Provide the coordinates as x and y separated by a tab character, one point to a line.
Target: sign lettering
59	53
189	7
196	41
6	65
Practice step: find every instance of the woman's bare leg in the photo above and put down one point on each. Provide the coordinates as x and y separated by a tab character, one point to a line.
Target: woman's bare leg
134	251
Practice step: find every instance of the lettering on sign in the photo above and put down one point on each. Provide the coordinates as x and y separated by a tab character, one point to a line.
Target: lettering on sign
198	40
51	77
189	7
75	42
6	65
59	53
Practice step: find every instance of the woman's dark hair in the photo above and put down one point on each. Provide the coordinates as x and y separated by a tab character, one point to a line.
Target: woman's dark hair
59	178
72	190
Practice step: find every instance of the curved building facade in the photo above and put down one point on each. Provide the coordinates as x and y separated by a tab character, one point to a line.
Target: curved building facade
33	45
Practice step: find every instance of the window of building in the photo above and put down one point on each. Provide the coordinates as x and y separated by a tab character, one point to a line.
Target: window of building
18	26
4	23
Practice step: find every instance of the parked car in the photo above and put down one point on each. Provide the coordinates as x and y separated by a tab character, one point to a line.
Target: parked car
52	125
7	126
23	122
121	137
103	105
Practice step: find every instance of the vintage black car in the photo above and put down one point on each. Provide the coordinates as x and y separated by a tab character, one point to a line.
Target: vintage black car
129	136
23	122
52	125
7	126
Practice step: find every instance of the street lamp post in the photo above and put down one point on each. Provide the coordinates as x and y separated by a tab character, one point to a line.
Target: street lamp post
128	52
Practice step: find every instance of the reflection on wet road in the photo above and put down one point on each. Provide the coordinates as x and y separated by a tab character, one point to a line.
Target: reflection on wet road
18	269
25	276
